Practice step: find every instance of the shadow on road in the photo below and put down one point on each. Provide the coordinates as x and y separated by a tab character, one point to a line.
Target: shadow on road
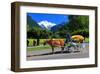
57	52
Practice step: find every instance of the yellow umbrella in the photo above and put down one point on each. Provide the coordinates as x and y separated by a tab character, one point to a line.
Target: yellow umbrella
78	38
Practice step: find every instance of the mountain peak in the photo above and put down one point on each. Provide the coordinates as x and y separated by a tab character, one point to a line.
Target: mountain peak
46	24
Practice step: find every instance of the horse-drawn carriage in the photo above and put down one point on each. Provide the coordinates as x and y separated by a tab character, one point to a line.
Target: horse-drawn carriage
73	43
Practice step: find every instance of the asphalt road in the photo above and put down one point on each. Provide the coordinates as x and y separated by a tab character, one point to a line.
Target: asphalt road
47	54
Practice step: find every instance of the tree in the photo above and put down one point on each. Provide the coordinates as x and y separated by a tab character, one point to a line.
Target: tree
45	34
36	34
77	22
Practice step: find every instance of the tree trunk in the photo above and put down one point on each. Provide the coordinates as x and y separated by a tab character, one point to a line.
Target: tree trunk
38	41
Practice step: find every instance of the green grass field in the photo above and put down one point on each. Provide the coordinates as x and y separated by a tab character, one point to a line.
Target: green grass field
31	41
86	39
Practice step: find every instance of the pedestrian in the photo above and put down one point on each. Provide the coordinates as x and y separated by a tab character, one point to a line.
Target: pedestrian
68	38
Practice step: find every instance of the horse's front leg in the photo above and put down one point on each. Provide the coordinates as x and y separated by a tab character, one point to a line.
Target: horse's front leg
62	49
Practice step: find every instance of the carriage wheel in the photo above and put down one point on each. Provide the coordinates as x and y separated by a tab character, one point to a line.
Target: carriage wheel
71	49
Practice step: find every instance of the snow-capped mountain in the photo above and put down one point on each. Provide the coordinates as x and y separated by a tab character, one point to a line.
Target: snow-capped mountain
46	24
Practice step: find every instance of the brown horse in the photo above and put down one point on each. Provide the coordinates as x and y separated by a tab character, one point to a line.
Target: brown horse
56	43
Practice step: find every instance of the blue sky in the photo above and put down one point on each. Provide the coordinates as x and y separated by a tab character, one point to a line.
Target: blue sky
54	18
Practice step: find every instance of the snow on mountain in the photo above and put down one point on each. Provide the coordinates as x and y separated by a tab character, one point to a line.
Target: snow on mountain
46	24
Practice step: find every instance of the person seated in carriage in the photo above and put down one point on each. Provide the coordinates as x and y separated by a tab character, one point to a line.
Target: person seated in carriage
74	41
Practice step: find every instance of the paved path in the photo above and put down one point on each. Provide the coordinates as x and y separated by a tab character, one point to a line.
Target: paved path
47	54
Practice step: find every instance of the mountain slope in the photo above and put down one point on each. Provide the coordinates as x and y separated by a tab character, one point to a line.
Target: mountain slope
56	27
32	23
